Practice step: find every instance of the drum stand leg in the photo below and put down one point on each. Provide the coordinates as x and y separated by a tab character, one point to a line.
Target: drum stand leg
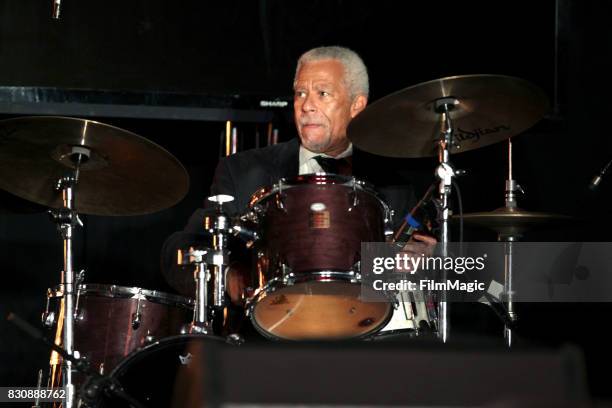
508	293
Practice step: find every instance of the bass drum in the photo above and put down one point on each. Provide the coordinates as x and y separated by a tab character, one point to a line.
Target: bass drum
168	373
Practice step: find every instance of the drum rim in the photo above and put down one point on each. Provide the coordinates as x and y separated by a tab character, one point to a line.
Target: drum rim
146	350
321	178
125	292
254	300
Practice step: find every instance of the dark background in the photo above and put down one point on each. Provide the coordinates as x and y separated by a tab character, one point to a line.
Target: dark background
226	49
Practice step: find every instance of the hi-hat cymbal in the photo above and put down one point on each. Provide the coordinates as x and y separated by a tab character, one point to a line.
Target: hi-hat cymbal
512	221
125	174
490	108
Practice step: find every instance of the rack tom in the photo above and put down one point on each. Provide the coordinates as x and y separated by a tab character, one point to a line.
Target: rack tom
307	275
112	321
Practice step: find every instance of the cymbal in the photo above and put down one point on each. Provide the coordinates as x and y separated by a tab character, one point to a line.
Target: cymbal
490	108
512	221
11	204
125	174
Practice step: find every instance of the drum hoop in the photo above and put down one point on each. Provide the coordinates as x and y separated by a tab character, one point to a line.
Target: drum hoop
277	282
254	300
314	179
146	350
126	292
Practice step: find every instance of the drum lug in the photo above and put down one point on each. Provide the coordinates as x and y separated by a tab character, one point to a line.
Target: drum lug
287	274
80	277
388	222
136	317
280	196
79	316
76	315
48	318
353	195
253	215
136	320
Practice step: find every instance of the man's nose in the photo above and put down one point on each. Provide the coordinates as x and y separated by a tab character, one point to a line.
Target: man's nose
308	103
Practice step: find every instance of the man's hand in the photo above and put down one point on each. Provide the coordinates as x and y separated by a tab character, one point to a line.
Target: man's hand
419	245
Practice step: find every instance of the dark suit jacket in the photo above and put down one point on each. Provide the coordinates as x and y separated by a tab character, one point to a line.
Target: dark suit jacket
244	173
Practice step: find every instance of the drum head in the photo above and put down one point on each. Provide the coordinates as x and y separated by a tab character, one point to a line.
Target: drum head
165	374
318	310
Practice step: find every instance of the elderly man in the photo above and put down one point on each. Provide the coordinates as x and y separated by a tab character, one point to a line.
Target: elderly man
330	88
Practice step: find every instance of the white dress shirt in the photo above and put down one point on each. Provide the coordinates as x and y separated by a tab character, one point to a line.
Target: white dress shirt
309	165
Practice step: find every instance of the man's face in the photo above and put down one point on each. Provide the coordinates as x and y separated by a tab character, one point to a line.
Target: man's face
323	107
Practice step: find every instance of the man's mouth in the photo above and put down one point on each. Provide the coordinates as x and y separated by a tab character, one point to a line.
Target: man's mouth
311	125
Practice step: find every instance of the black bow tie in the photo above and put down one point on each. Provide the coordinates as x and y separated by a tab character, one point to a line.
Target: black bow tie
335	166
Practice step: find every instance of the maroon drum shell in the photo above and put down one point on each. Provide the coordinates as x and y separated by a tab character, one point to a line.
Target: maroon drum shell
307	240
104	329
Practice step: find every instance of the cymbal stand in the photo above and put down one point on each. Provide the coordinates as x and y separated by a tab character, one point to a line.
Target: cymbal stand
198	258
445	173
210	263
512	188
220	227
67	219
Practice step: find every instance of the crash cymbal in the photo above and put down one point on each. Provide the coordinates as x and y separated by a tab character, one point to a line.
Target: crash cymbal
512	221
490	108
125	174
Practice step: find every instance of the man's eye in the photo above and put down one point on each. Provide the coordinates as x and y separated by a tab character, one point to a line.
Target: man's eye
324	93
300	94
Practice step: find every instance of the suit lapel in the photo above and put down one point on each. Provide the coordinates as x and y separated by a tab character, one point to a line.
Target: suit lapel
286	162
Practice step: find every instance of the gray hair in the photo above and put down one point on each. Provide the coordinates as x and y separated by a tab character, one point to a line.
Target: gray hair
355	71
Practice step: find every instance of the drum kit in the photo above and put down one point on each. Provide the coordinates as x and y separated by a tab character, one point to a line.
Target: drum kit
305	234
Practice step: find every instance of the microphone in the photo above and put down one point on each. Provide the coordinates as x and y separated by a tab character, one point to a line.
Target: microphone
596	181
56	9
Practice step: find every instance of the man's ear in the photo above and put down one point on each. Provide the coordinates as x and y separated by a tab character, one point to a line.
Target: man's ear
359	104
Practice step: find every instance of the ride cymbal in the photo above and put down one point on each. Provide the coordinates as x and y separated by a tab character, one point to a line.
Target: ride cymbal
488	109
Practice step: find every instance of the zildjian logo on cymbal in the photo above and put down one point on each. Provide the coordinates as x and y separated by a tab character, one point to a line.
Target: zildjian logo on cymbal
474	135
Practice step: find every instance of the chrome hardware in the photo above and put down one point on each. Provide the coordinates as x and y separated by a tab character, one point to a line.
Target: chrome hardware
80	277
235	339
76	302
48	318
353	194
136	317
280	196
79	316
